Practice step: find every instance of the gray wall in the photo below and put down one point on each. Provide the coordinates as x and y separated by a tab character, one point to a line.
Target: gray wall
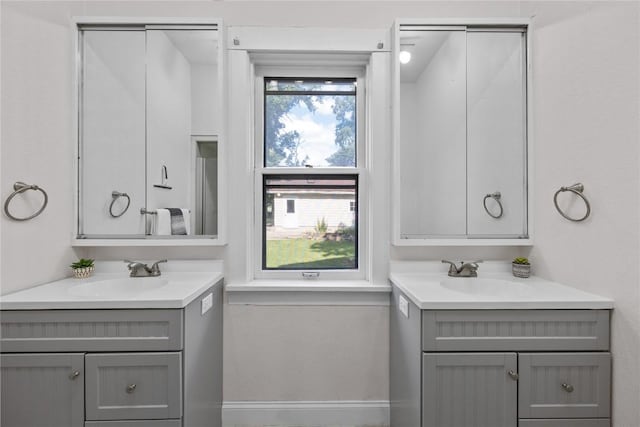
585	123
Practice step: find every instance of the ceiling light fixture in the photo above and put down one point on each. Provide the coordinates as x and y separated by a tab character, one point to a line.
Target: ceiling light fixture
404	57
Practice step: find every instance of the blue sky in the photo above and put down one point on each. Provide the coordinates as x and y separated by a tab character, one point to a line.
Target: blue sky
316	129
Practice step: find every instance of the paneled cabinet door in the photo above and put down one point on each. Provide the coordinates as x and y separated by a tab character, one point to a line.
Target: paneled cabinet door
42	390
565	385
469	389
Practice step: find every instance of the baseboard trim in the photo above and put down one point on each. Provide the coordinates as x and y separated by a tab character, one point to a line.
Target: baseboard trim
370	413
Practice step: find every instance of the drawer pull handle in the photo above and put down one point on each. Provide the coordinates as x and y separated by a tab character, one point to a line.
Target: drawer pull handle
514	375
567	387
131	388
73	375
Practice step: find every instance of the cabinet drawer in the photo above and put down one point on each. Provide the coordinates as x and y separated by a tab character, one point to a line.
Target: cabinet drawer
594	422
91	330
133	386
564	385
134	423
515	330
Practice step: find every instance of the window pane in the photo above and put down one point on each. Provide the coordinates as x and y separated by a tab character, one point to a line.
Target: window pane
321	230
307	85
310	122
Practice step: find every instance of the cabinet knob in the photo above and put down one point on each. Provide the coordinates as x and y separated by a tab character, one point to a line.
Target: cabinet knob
567	387
73	375
131	388
514	375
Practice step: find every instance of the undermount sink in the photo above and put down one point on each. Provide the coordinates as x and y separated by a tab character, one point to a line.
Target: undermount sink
481	286
118	287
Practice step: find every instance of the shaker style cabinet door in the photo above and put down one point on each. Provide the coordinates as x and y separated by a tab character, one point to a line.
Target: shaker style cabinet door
42	390
469	389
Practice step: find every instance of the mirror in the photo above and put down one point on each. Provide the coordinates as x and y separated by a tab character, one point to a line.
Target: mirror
462	147
149	121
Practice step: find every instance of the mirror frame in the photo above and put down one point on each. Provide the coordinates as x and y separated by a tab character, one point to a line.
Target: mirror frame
396	239
221	238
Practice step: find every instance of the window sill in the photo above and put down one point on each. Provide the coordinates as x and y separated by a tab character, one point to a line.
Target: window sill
308	292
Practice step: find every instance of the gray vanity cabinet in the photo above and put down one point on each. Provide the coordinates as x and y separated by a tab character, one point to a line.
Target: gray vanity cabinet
42	390
498	368
129	367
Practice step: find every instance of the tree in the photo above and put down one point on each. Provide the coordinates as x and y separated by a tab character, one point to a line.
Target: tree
281	148
345	111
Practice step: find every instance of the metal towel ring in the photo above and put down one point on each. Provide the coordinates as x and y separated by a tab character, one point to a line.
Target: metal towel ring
116	195
576	189
21	187
495	196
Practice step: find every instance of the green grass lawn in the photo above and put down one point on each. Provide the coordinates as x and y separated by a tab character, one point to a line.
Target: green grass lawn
308	253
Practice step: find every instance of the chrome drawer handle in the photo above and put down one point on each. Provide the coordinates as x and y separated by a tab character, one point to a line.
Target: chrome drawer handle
131	388
514	375
567	387
73	375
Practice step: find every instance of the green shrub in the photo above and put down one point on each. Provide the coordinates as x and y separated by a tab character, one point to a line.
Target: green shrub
321	226
521	260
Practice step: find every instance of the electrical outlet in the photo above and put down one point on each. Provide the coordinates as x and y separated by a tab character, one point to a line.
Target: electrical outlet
207	303
403	305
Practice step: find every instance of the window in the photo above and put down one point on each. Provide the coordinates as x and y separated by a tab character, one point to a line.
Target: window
309	122
309	173
323	232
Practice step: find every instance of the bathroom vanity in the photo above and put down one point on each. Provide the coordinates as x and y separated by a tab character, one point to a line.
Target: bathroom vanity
114	351
497	351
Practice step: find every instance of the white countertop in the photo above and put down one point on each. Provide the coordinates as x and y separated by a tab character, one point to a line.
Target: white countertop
180	283
429	287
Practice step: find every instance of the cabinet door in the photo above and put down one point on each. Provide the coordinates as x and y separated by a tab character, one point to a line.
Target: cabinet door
133	386
112	132
565	385
469	390
496	133
42	390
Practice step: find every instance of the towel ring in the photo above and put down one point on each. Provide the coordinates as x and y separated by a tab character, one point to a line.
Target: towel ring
495	196
21	187
576	189
115	196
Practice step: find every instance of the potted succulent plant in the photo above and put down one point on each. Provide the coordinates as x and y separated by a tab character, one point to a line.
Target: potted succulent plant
521	267
83	268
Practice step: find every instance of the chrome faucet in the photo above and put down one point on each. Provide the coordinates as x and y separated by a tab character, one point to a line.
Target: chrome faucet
138	269
466	269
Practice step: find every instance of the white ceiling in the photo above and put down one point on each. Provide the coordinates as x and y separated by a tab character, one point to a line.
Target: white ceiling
422	45
198	46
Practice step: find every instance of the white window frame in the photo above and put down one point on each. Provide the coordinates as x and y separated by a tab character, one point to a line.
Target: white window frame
304	66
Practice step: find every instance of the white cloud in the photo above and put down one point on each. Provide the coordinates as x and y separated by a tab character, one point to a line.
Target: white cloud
324	105
318	140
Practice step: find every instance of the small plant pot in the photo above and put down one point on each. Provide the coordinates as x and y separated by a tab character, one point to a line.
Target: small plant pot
521	270
83	272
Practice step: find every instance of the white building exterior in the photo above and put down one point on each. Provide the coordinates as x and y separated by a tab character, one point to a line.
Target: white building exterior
303	209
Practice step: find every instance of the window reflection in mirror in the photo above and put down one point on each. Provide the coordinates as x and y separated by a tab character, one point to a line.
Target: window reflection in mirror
149	120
